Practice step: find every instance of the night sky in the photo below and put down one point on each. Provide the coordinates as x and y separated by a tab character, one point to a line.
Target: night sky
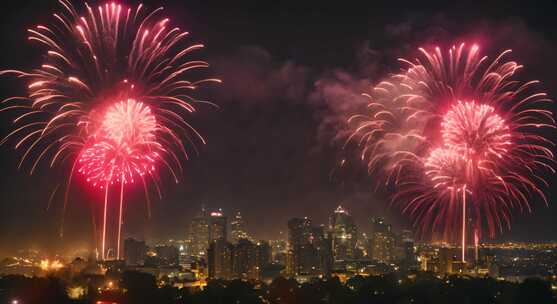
292	70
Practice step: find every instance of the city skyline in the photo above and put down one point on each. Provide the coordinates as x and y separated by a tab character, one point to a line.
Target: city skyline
278	152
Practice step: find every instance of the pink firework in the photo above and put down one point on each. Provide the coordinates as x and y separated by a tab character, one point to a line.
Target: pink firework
444	168
106	162
124	148
460	139
476	131
129	121
93	58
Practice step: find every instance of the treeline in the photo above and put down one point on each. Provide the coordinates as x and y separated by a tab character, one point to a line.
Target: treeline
423	288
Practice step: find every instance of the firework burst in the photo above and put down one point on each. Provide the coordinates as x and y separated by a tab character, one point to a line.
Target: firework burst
124	148
459	138
128	60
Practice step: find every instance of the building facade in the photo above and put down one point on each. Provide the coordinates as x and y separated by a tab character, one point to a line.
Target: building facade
199	234
218	226
344	234
134	252
238	228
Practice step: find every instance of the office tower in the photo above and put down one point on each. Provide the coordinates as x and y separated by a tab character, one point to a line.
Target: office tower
243	260
263	253
217	226
134	252
290	265
382	242
299	232
322	243
238	228
199	234
263	257
344	234
408	247
219	259
310	249
168	255
383	247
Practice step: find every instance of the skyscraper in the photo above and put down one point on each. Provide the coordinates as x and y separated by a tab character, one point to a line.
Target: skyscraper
382	241
199	233
408	247
134	252
310	250
238	228
244	260
383	248
344	234
299	231
219	259
322	243
168	255
217	226
263	253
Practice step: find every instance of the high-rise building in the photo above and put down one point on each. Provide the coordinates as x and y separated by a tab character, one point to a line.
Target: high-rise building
185	258
263	253
322	243
344	234
168	255
199	234
238	228
382	241
299	232
219	259
244	260
383	248
310	249
409	254
134	252
217	226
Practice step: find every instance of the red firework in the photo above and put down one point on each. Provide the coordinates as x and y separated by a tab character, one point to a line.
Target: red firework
477	161
476	131
106	53
124	148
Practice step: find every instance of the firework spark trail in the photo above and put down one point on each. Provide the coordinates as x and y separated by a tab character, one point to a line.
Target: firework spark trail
452	123
105	55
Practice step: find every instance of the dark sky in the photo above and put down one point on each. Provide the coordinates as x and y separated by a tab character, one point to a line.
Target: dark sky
291	70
